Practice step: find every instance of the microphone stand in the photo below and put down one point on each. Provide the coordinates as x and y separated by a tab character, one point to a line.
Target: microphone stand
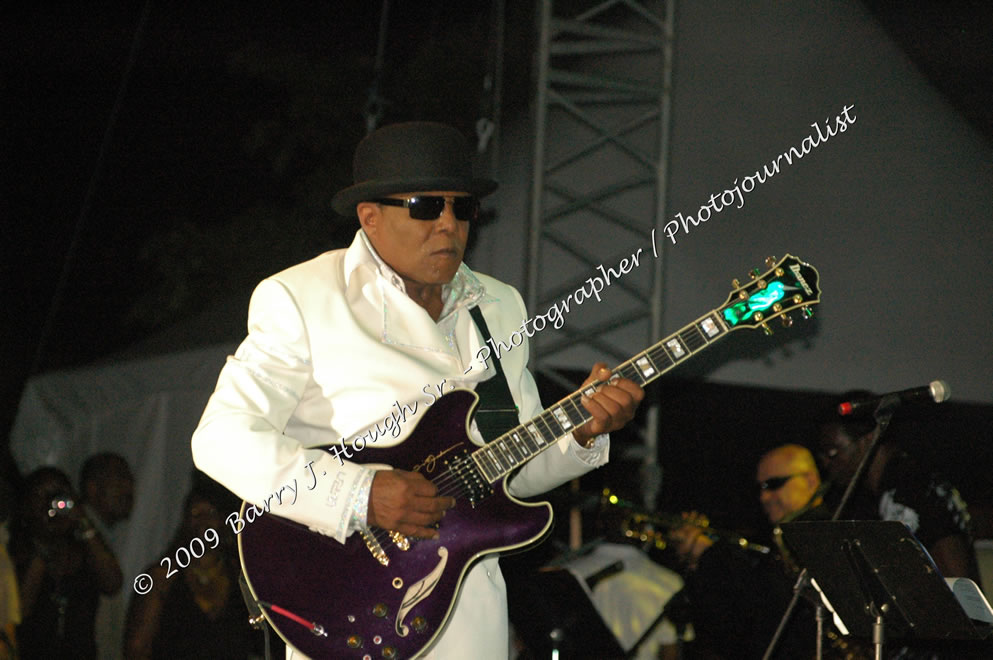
883	414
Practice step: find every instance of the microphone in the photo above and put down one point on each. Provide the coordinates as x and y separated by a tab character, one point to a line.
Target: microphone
937	391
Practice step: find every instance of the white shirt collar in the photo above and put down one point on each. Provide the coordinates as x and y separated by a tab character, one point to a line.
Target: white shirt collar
465	289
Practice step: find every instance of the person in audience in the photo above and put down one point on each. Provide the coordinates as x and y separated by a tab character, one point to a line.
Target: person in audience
10	604
106	487
194	611
63	565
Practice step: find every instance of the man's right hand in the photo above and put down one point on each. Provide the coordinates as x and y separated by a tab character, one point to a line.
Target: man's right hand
407	503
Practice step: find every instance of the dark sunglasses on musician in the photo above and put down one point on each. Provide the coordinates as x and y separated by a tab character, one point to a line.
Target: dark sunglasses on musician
775	483
430	207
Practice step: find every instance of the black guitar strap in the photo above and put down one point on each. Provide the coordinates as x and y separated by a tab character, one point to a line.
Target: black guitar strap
497	412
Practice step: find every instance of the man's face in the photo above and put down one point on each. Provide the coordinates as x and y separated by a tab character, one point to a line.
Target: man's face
422	252
789	485
203	515
112	495
839	452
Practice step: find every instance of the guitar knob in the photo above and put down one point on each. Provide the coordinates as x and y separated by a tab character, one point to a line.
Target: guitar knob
354	642
390	652
770	261
766	329
380	610
735	284
419	623
787	321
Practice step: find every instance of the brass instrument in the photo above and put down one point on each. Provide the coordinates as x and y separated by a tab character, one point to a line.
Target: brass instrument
654	527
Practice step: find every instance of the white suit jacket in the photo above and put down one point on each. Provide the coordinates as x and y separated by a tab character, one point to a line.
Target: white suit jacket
332	348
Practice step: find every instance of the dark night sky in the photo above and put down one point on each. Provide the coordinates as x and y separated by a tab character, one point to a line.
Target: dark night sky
217	131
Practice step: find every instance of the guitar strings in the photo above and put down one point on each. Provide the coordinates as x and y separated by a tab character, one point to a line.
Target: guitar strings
450	483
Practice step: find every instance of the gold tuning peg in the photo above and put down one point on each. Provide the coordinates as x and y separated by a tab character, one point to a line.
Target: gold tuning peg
766	329
807	311
770	261
735	284
787	321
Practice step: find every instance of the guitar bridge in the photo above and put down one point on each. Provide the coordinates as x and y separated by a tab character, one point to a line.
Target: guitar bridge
374	547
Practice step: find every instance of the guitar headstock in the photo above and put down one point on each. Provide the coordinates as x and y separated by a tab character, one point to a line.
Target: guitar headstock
788	285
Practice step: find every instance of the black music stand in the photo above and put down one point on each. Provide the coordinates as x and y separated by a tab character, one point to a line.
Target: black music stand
880	581
551	612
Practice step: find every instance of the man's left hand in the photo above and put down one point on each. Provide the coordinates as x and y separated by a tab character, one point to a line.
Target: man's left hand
612	406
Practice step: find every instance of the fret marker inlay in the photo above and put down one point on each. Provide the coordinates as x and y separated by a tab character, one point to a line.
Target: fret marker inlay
496	461
562	418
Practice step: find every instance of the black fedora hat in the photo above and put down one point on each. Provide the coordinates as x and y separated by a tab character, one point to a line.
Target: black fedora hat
409	157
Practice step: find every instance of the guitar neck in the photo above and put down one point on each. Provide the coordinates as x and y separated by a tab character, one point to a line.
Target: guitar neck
522	443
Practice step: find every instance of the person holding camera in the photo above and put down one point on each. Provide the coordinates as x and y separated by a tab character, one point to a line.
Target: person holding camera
63	565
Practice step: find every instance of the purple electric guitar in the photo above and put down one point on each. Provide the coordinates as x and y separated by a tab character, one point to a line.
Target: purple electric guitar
381	595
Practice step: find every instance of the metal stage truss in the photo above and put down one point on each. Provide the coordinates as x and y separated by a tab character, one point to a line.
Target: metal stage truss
601	136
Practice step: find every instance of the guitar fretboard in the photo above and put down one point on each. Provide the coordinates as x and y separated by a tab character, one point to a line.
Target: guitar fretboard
522	443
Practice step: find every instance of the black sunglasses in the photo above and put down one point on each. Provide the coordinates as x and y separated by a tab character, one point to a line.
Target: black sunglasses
775	483
430	207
